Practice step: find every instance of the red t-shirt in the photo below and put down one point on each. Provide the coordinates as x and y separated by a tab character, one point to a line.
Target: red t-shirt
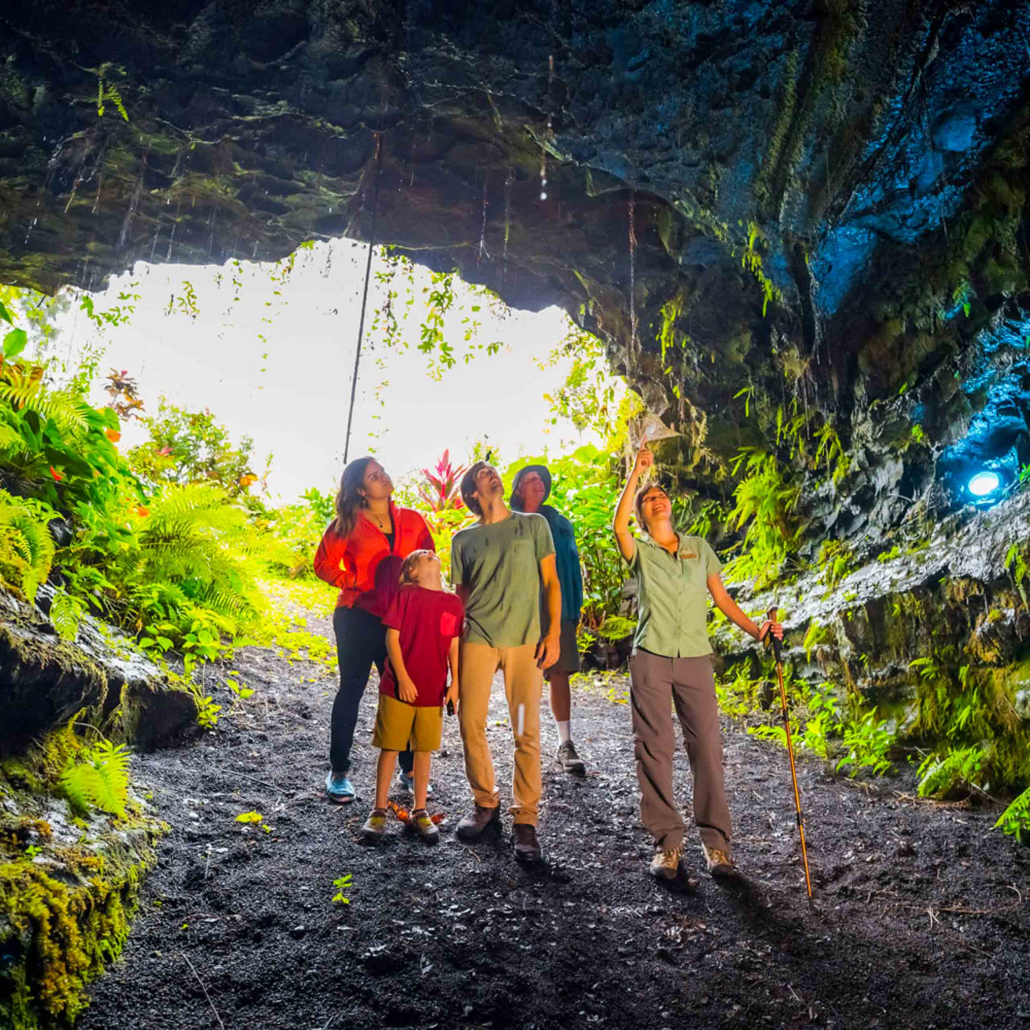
428	620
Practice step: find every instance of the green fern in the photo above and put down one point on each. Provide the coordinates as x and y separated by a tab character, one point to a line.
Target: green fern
66	613
958	771
1015	820
100	779
26	547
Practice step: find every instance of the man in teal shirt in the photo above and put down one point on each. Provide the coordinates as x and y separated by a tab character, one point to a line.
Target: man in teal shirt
529	492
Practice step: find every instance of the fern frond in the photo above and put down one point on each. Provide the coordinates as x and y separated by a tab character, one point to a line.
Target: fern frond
101	779
75	782
26	547
66	613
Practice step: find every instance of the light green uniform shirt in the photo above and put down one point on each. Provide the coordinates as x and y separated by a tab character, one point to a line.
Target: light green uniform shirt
500	566
672	597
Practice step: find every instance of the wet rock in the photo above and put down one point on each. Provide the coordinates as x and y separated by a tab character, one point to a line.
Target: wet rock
44	681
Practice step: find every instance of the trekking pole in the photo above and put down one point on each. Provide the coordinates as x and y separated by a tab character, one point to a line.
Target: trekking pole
771	616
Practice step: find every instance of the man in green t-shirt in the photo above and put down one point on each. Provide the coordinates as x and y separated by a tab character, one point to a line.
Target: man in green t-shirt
498	567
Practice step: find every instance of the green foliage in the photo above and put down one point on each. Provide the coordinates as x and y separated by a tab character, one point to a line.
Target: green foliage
342	885
962	296
668	336
192	447
814	636
108	92
1015	820
442	305
836	561
54	445
26	547
752	262
958	770
868	743
98	776
590	397
616	627
1016	564
765	500
66	613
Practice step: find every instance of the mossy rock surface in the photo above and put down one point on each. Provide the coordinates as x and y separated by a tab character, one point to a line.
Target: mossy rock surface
68	889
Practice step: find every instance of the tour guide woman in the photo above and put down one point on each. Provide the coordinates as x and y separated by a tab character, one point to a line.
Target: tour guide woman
361	553
671	665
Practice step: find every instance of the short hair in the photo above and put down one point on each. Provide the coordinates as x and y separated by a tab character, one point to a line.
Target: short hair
408	566
638	501
468	487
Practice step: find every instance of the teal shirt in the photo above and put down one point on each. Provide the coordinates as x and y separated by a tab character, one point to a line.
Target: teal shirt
672	597
566	557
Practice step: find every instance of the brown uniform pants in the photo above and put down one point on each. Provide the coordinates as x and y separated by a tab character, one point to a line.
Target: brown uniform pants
657	684
523	684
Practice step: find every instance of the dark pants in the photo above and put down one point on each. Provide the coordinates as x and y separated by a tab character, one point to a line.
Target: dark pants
659	684
360	644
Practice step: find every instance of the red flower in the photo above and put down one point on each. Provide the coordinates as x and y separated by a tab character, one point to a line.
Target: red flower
57	475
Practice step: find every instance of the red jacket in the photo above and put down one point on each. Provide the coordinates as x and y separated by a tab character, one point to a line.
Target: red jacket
362	564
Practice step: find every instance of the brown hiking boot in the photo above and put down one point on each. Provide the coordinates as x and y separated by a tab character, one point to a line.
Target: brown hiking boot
527	844
719	861
424	826
473	825
570	760
666	863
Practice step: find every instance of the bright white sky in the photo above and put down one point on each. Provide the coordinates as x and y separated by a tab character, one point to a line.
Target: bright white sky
294	403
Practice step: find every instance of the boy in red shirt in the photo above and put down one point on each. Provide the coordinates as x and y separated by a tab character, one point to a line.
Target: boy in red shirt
423	623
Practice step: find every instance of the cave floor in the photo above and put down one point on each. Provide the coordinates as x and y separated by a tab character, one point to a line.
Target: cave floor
921	918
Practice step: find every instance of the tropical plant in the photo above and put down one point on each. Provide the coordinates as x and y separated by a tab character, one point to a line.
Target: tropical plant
765	501
26	547
441	490
1015	820
868	742
941	775
192	447
98	776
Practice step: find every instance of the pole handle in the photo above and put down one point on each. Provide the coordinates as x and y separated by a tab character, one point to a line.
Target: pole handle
771	616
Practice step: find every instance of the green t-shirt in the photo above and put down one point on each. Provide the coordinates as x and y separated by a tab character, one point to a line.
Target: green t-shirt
672	597
499	564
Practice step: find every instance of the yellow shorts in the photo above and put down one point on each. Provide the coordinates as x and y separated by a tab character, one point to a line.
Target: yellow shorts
400	726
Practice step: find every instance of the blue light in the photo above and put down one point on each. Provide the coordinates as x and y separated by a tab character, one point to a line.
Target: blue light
983	483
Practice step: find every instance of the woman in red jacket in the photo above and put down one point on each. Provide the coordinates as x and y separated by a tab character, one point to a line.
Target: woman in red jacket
361	553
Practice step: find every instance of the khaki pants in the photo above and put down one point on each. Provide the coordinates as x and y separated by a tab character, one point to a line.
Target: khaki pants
659	684
523	684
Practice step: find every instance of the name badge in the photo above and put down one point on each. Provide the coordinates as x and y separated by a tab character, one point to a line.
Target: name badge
687	554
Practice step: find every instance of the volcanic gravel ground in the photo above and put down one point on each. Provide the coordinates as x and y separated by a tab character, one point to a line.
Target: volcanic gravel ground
921	914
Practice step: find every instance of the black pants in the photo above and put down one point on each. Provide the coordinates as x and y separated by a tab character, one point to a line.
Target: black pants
360	644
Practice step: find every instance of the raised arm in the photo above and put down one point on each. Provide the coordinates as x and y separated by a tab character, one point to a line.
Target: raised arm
620	524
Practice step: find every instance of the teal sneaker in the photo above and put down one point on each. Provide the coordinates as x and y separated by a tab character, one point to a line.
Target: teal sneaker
405	784
339	788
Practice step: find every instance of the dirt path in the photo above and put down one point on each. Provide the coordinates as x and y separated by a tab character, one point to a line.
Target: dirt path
922	917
